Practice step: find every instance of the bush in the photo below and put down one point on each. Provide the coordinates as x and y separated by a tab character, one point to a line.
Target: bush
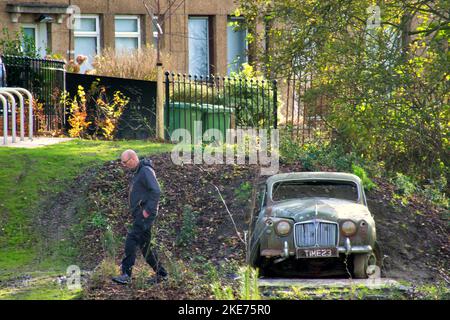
404	185
106	115
435	191
138	64
361	173
17	45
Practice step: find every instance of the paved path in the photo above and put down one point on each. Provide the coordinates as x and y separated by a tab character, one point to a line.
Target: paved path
35	143
328	283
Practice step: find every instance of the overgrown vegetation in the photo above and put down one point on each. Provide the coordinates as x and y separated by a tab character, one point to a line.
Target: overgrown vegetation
18	44
247	92
188	229
248	288
137	64
104	117
385	78
318	155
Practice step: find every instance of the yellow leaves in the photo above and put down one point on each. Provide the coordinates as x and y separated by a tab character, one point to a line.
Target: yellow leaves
81	94
107	113
78	123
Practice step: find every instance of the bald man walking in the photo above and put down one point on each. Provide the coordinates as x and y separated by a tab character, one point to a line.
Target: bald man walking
143	196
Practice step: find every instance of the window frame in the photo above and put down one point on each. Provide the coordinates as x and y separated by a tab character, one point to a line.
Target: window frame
90	34
230	19
208	41
31	26
121	34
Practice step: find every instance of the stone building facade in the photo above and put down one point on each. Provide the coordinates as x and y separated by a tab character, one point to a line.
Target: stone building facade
197	34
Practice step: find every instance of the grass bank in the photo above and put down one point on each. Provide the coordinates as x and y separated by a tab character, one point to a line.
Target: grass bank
26	175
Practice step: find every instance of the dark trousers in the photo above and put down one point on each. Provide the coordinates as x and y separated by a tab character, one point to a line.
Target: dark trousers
140	236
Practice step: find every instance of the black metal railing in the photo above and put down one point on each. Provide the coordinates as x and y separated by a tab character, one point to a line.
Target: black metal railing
220	103
45	79
304	109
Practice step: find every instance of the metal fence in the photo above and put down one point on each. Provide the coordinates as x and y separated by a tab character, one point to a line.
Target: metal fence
220	103
45	79
304	109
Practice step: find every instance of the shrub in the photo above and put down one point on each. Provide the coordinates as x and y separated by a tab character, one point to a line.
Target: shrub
138	64
243	193
189	228
361	173
404	184
106	115
17	45
78	114
435	192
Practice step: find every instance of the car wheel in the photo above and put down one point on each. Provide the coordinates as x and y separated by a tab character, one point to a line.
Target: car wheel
361	263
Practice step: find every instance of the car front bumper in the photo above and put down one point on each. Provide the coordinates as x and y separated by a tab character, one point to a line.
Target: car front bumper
347	249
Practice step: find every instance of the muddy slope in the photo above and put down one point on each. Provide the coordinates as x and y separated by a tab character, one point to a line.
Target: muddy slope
414	239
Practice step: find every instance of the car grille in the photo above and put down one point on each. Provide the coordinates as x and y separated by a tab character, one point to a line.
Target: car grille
316	234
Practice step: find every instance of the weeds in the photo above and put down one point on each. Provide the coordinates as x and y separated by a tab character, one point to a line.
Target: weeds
189	228
243	193
248	286
404	185
104	272
110	243
99	221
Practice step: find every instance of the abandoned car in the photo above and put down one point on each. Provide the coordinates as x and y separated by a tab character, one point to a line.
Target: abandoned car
313	223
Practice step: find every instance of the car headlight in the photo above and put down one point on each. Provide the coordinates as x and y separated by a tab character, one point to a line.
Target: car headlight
348	228
283	228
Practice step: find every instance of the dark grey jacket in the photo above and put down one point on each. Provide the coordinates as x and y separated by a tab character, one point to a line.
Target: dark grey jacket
144	190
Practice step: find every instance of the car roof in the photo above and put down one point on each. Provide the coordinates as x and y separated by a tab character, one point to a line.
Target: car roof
314	175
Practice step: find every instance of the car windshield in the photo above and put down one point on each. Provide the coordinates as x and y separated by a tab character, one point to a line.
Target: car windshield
286	190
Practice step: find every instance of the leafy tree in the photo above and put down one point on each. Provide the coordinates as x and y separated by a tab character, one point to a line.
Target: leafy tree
385	78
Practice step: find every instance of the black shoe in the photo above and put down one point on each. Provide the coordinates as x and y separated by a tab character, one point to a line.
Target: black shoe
157	279
122	279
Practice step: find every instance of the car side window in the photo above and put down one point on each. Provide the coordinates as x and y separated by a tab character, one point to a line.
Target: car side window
261	199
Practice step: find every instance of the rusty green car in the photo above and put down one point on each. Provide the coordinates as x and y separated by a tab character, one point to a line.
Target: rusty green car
313	224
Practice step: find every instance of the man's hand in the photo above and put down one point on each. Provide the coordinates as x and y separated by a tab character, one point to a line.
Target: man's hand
146	214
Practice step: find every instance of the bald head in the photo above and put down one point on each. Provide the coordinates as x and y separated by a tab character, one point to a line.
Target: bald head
129	159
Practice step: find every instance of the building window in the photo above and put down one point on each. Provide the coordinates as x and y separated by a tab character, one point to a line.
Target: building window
236	46
36	38
128	33
198	33
87	39
29	32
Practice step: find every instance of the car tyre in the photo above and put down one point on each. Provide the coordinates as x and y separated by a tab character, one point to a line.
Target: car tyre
361	263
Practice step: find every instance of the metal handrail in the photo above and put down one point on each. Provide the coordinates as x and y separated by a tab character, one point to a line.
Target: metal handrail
13	113
5	119
18	92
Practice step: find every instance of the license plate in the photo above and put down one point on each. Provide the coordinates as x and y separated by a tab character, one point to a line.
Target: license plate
317	253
